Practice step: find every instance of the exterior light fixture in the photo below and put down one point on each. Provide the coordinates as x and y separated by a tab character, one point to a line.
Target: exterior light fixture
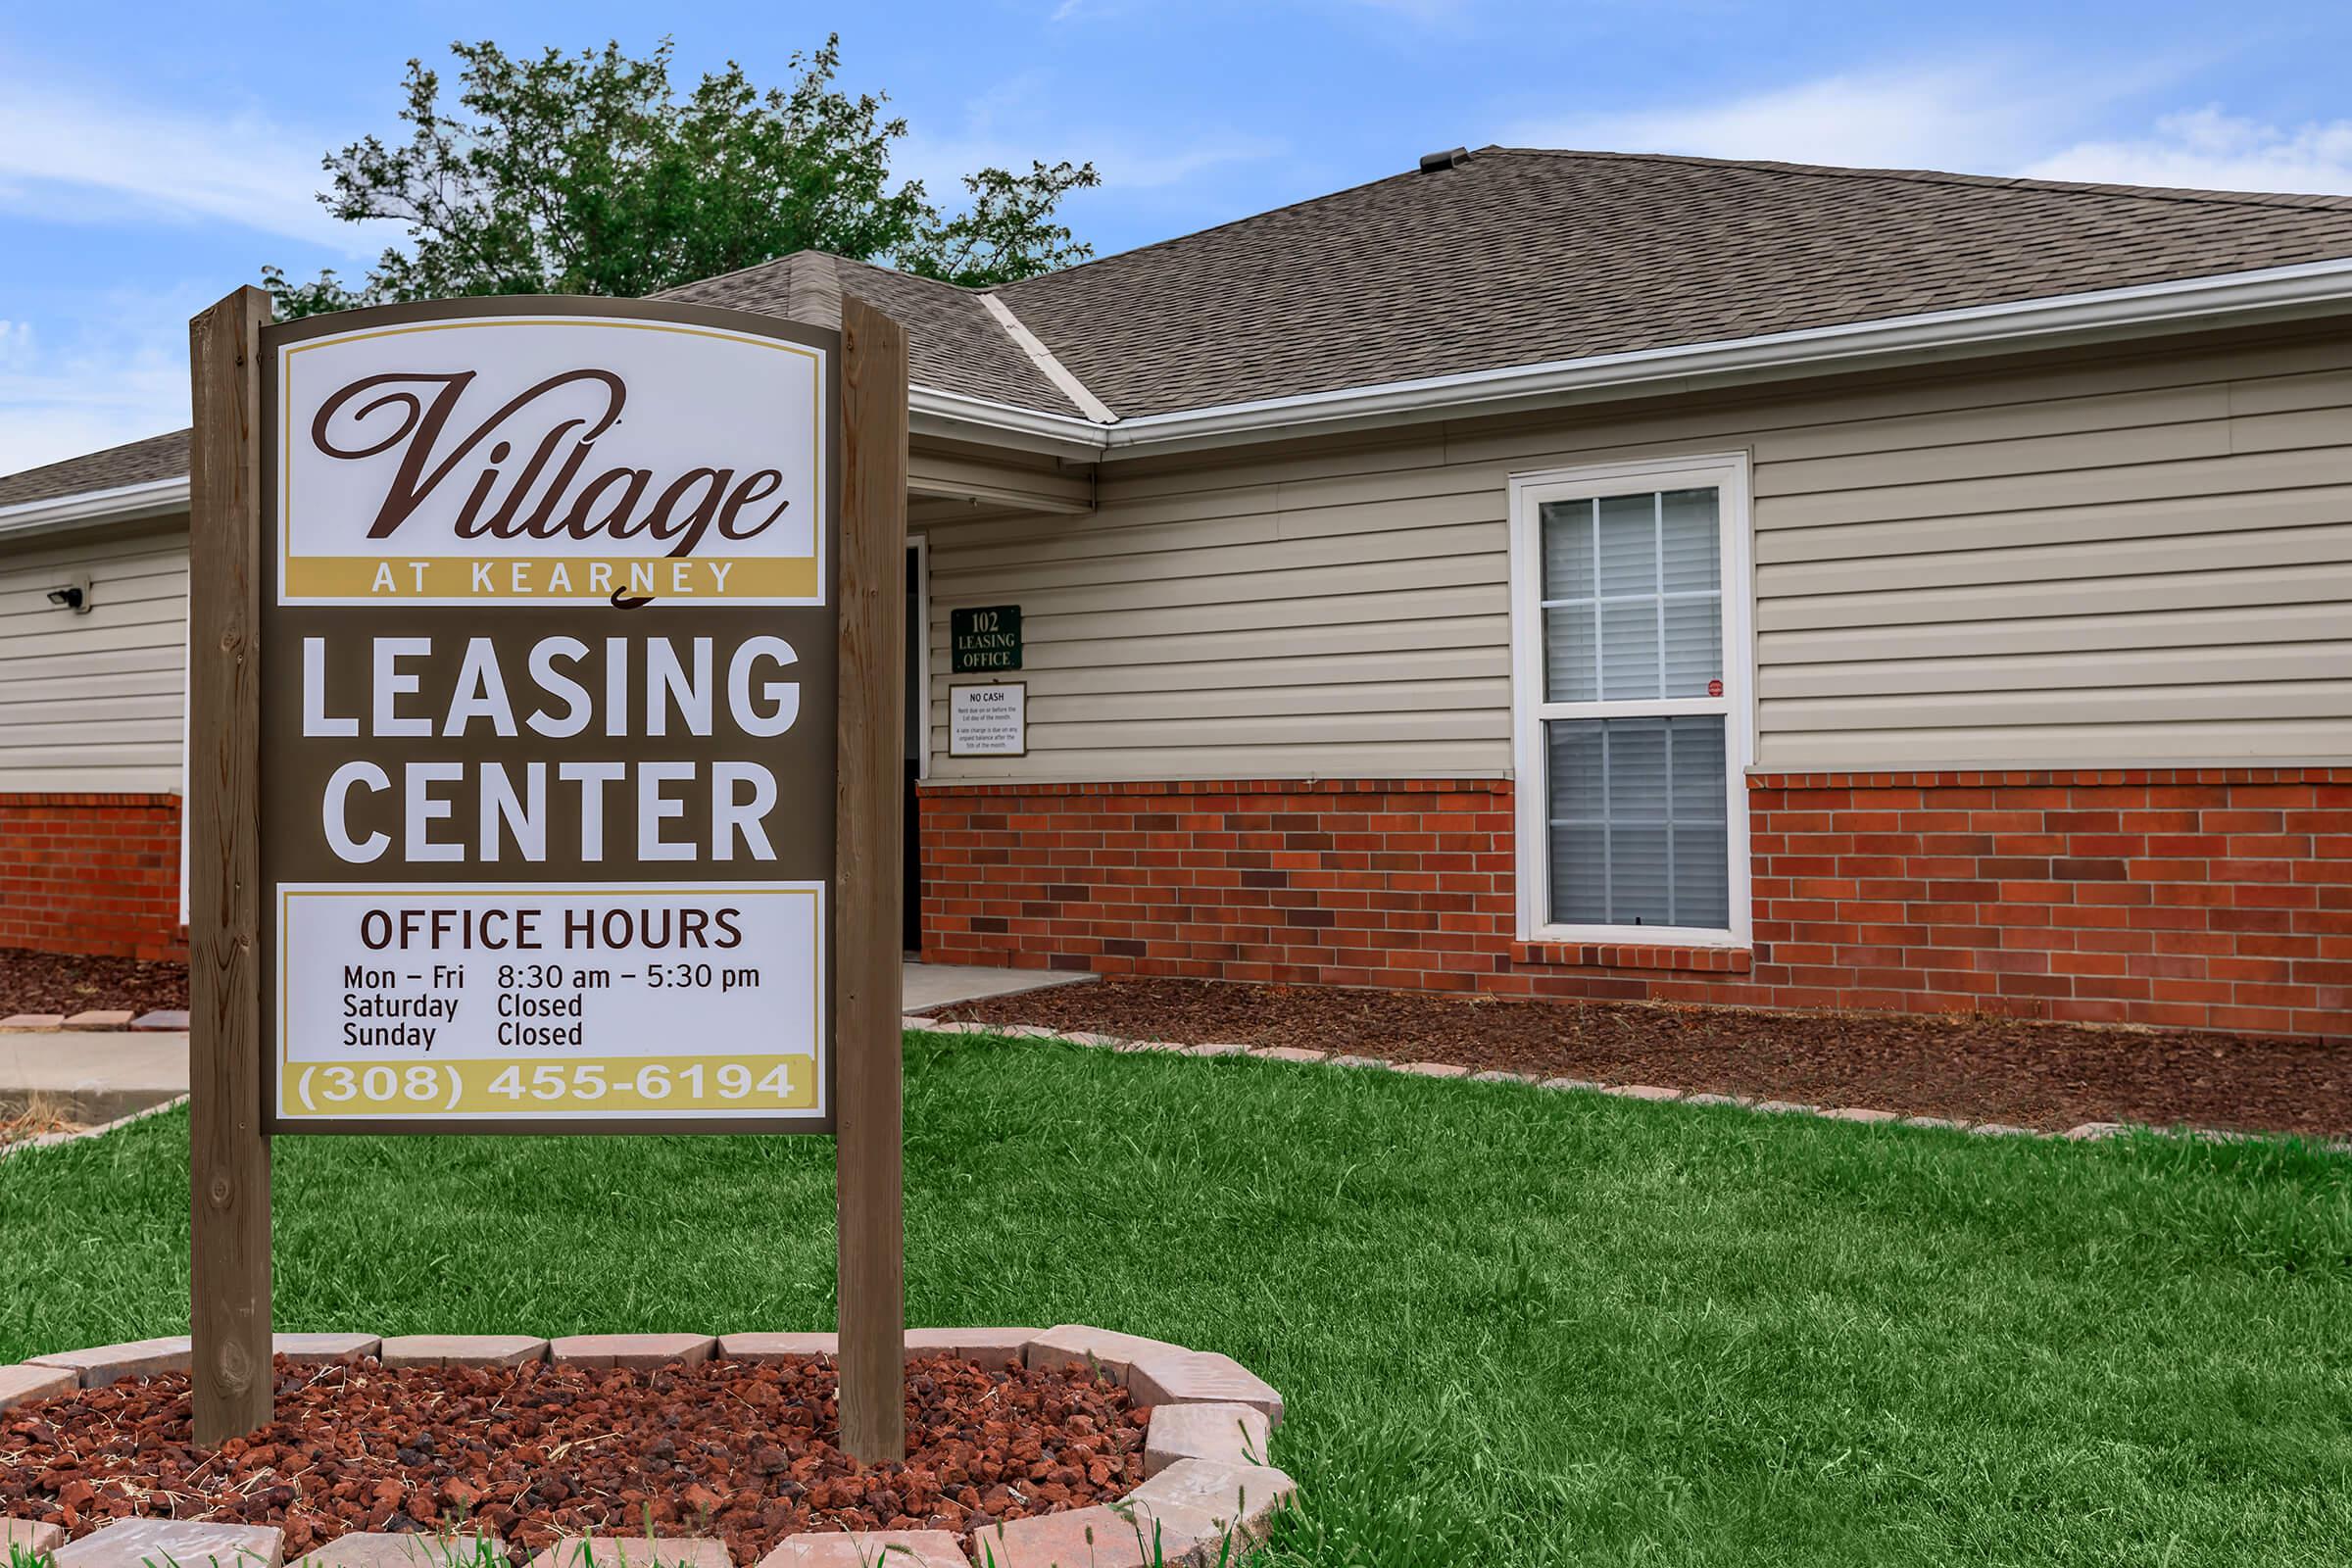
73	595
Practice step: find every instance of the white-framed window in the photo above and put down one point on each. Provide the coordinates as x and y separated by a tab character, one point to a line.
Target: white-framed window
1632	702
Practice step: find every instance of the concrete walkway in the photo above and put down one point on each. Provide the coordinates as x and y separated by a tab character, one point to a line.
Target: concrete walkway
92	1076
940	985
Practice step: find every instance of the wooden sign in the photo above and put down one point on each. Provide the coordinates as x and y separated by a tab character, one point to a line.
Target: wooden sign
984	641
552	785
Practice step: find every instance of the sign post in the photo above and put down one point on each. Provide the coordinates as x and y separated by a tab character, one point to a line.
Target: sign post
229	1154
565	798
867	1187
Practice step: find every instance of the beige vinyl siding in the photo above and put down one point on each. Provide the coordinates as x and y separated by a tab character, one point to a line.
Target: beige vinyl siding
94	702
2081	560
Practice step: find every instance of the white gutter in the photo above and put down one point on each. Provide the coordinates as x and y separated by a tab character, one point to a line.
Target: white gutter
152	498
2231	299
2281	293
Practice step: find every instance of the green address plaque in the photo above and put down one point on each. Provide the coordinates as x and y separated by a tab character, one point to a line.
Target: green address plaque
985	640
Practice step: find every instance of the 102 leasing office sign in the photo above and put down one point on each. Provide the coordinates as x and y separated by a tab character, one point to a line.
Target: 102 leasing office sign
548	723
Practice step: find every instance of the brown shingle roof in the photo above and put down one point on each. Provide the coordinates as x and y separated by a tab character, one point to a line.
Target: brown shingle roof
952	343
1516	256
159	457
1521	256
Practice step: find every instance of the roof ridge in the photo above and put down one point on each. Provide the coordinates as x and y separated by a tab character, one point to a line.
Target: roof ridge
1051	368
1195	234
2312	200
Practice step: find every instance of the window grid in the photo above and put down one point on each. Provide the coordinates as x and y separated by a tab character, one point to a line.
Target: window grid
1673	818
1658	592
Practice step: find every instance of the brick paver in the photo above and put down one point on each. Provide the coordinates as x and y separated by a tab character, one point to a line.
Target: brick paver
1080	1537
108	1018
776	1346
640	1351
325	1347
635	1551
1224	1433
869	1549
1433	1069
30	1535
18	1384
103	1364
463	1349
1076	1345
186	1543
1211	1502
398	1549
1300	1054
1201	1377
991	1347
22	1023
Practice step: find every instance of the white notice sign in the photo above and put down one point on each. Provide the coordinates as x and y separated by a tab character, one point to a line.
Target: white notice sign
988	720
472	1003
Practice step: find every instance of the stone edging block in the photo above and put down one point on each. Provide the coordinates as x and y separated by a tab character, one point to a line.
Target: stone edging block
463	1349
637	1352
135	1542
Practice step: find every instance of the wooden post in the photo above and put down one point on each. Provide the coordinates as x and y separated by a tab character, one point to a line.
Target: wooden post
229	1306
871	1294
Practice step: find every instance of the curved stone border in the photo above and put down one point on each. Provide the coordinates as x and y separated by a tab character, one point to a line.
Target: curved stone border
1209	1488
1305	1057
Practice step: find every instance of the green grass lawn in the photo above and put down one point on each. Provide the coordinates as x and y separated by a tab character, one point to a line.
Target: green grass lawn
1514	1327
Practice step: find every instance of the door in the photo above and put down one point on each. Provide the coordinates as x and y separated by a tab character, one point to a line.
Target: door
918	739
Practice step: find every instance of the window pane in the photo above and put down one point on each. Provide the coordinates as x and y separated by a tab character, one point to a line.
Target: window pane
1637	810
1639	872
1694	648
1634	754
1580	875
1688	542
1567	548
1629	545
1629	649
1570	672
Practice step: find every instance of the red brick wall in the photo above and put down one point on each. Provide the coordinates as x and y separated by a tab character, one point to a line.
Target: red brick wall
2211	897
92	873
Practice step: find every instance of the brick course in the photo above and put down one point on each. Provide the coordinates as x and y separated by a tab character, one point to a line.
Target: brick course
2198	898
92	873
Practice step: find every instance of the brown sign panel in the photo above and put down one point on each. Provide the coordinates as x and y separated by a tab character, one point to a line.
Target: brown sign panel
548	719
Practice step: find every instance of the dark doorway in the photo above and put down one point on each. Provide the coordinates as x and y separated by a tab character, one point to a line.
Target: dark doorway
918	728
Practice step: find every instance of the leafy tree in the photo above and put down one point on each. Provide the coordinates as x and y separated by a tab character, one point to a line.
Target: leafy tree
588	174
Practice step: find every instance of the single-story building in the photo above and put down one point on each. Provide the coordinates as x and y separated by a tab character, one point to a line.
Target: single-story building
1548	573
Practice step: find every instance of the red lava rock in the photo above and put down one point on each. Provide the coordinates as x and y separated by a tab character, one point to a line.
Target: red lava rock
741	1451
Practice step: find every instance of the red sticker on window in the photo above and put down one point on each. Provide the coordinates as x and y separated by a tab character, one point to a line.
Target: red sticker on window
1714	688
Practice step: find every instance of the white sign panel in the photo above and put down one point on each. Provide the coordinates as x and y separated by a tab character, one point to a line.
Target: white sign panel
472	1003
988	720
524	459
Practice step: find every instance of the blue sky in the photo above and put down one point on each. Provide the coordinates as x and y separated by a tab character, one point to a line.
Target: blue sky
152	157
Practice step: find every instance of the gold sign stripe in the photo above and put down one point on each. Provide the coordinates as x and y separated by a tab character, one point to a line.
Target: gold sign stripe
392	578
634	1087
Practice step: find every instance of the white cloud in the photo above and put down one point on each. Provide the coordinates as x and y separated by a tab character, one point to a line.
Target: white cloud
1978	117
124	375
72	154
2209	149
1963	116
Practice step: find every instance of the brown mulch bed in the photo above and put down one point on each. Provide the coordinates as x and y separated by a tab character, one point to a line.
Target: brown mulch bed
73	982
1978	1068
738	1449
